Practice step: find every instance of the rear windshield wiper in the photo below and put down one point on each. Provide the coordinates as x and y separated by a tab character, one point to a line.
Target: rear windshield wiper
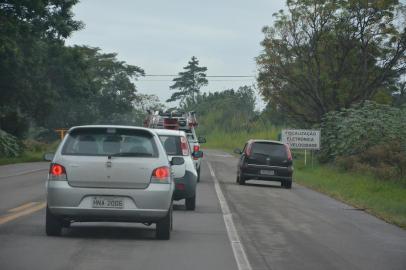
130	154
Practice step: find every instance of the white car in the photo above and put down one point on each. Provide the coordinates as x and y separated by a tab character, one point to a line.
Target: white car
110	173
194	143
185	175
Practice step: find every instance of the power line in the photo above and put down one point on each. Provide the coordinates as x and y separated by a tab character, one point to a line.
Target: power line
209	80
208	76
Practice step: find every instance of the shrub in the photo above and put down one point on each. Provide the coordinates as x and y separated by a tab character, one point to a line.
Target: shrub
385	160
34	146
9	146
352	131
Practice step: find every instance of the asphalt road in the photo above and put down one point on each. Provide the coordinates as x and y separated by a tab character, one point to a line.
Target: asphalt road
278	229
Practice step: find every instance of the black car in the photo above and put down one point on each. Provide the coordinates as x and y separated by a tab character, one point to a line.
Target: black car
265	160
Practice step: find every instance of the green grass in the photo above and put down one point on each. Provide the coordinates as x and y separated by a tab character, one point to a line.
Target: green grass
230	141
384	199
25	157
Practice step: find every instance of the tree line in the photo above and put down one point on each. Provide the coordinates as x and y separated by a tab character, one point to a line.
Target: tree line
45	83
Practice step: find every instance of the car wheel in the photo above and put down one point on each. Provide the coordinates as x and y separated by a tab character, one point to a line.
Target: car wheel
287	184
164	226
241	180
198	175
53	226
190	203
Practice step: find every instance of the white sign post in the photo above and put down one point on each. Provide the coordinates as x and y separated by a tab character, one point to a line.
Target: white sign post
301	139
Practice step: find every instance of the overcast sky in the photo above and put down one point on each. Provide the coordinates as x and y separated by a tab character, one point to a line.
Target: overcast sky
162	36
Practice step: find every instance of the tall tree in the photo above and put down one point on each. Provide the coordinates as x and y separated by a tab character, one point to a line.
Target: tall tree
91	87
27	30
326	55
189	82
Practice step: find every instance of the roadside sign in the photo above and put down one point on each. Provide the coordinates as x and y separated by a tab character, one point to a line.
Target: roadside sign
301	138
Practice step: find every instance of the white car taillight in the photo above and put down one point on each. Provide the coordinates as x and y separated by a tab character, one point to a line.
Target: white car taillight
184	145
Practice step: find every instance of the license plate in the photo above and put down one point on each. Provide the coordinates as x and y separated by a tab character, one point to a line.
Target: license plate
108	202
268	172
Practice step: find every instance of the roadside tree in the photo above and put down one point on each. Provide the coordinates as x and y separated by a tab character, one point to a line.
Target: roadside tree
323	56
187	85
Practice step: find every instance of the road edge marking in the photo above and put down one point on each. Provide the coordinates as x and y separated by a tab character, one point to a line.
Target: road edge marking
238	249
13	216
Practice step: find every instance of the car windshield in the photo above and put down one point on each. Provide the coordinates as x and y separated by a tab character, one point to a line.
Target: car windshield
269	149
171	144
110	142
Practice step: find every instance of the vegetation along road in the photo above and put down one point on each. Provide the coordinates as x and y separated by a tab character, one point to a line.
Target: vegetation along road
277	228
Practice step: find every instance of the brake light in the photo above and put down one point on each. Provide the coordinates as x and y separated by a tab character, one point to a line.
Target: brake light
57	172
288	152
184	146
161	175
248	150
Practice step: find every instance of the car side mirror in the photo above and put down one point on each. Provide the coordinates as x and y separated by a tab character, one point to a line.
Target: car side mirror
198	154
177	161
202	140
237	151
48	156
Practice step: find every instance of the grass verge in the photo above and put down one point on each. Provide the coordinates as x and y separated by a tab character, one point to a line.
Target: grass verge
229	141
384	199
30	155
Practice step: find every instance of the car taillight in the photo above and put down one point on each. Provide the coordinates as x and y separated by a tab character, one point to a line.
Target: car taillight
288	152
248	150
184	146
196	148
161	175
57	172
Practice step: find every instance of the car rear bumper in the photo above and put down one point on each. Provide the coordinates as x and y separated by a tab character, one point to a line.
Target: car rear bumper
140	205
279	173
252	176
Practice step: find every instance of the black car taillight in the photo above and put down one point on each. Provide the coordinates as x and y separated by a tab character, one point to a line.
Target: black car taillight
288	152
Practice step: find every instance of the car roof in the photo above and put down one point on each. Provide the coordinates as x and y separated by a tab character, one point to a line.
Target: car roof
169	132
109	126
264	141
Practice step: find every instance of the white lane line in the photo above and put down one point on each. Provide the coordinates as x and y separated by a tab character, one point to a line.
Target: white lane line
238	249
23	172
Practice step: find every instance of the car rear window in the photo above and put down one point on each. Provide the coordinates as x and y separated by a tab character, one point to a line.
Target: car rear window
269	149
171	145
110	142
190	137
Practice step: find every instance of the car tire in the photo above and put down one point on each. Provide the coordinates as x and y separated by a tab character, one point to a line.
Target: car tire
287	184
190	203
164	226
241	179
53	226
198	175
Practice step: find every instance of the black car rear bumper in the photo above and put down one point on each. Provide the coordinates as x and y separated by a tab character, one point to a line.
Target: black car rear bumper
253	176
253	172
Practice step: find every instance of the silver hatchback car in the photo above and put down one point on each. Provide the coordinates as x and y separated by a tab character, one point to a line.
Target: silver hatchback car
110	173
